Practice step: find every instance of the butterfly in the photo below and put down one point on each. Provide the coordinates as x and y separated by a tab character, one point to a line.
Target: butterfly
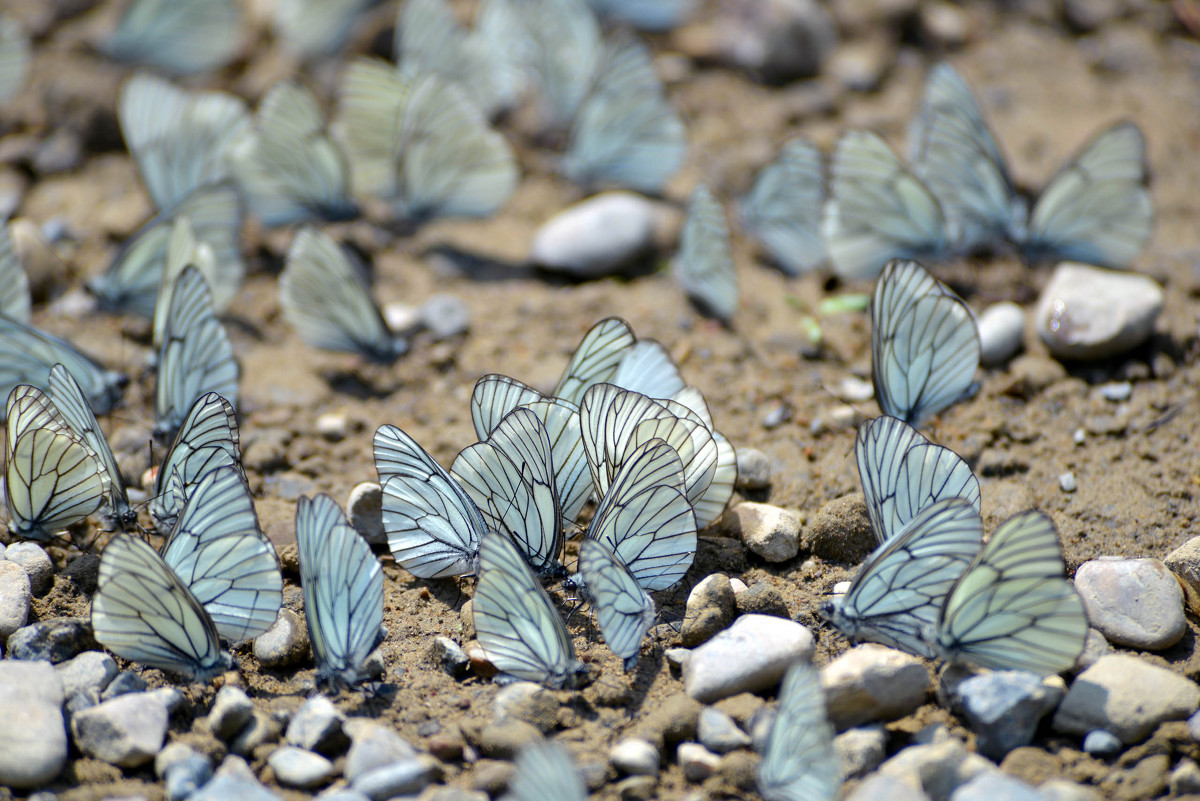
877	210
326	300
195	355
782	210
799	761
720	488
1012	608
15	55
646	367
289	168
545	770
516	622
27	354
52	478
624	610
924	344
343	590
316	28
902	472
182	37
15	299
704	266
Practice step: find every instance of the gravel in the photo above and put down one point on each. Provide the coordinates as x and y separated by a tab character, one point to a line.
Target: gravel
232	709
718	733
317	726
90	670
635	757
1001	333
295	767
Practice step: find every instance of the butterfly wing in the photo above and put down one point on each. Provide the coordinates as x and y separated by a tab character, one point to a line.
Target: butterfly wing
544	770
27	354
571	475
596	360
208	439
623	609
14	283
182	37
646	367
800	762
704	266
495	396
370	104
782	211
316	28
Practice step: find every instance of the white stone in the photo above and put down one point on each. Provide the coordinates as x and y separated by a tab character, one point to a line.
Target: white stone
596	237
995	787
15	598
295	767
697	762
853	389
332	426
1137	603
768	531
750	655
33	741
399	779
1086	313
938	768
36	562
873	683
364	508
126	731
91	669
374	746
718	733
861	749
285	643
1001	331
710	609
754	469
634	756
883	787
1102	743
1127	696
224	788
446	316
1066	482
35	681
315	725
1094	647
231	711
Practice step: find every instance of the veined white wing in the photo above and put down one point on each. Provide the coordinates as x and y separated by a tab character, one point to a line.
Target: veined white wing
183	37
15	53
343	590
195	356
596	360
877	210
646	15
134	279
142	612
624	610
432	525
289	168
52	478
14	283
720	489
898	593
1013	609
545	771
207	440
495	396
924	344
326	300
558	42
220	553
316	28
626	132
179	139
516	622
1097	209
370	108
27	354
902	472
782	211
182	250
646	367
704	265
952	149
800	762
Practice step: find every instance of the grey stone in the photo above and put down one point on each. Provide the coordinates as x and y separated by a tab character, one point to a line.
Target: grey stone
347	794
761	599
1004	708
995	787
1126	696
861	749
1066	790
364	508
374	746
33	739
91	669
234	767
86	698
450	657
750	655
36	563
1001	332
1102	743
768	531
781	40
1087	313
173	754
126	731
1185	779
16	598
524	700
677	657
185	777
55	640
634	756
401	778
223	788
596	237
285	643
30	681
1066	482
170	697
883	787
1137	603
719	733
232	709
261	729
754	469
871	682
295	767
710	608
937	768
446	316
697	762
317	726
124	683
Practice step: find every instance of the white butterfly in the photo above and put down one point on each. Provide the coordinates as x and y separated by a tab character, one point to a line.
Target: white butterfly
877	210
924	344
326	300
624	610
897	595
183	37
902	472
646	15
195	356
343	590
799	762
370	103
704	265
646	367
1012	608
15	299
720	489
15	55
545	771
316	28
516	622
27	354
142	611
782	211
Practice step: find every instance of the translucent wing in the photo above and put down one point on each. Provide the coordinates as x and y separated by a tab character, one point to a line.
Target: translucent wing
571	475
646	15
432	525
545	771
516	622
371	99
182	250
626	132
27	354
896	596
646	367
623	609
902	473
15	53
952	149
720	489
326	300
495	396
558	42
195	356
221	555
597	358
877	210
1013	609
924	344
182	37
207	440
142	612
316	28
1097	209
289	168
343	590
782	211
14	284
704	266
799	762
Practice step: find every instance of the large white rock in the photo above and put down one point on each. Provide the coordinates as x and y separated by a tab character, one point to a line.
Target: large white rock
1127	696
1087	313
596	237
33	742
751	655
126	731
1137	603
872	682
1001	332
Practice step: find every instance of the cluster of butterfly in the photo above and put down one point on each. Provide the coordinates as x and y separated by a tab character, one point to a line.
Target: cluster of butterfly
958	197
620	426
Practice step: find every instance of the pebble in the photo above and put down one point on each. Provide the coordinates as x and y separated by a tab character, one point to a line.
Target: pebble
871	682
1001	332
1114	694
125	682
1184	562
1116	391
833	419
402	318
15	598
232	709
1101	743
750	655
89	670
937	768
1193	725
285	643
346	794
446	316
637	788
1066	790
710	609
54	640
317	726
1066	481
1004	708
30	681
761	599
172	754
450	657
1086	313
861	65
677	657
33	738
400	779
374	746
778	414
1137	603
36	562
295	767
527	701
126	731
364	508
634	756
718	733
1185	779
769	531
223	788
780	39
332	426
853	389
261	729
596	237
840	531
169	697
882	787
861	749
995	787
697	762
672	721
753	469
184	775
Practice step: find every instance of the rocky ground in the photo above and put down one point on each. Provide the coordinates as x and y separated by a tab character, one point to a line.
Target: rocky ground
1106	448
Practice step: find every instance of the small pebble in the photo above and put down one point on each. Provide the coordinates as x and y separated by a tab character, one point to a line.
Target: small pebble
1094	647
937	768
861	749
677	657
1101	743
91	669
232	709
777	415
261	730
1116	391
769	531
834	419
364	508
527	701
125	682
1004	708
781	40
170	697
1079	437
637	788
31	681
402	318
450	657
596	237
54	640
332	426
861	65
1185	779
710	609
718	733
882	787
634	756
184	778
295	767
374	746
754	469
317	726
737	585
126	731
750	655
224	788
446	316
995	786
1137	603
1112	695
285	643
400	779
37	564
1066	790
1067	482
1087	313
16	599
853	389
1001	332
697	762
871	682
172	754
